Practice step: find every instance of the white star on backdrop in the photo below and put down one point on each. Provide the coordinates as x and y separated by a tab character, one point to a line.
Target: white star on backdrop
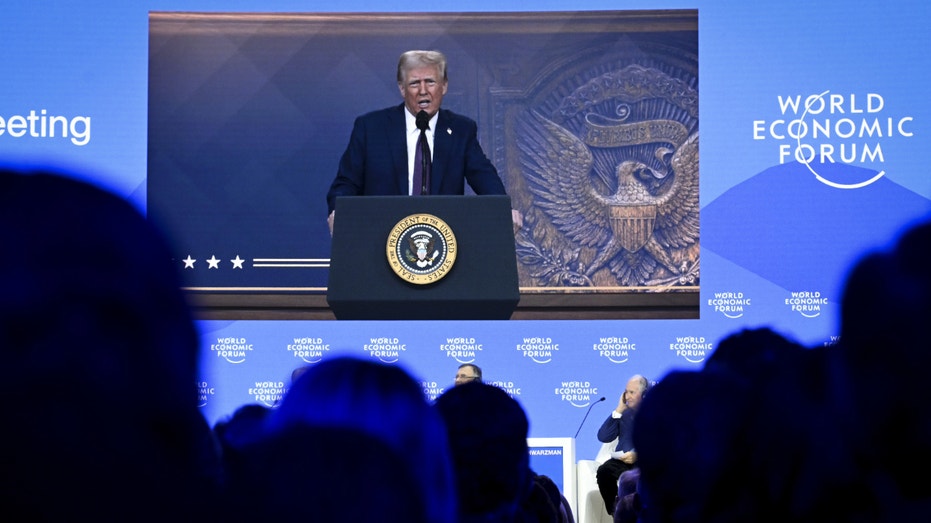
213	262
189	262
237	262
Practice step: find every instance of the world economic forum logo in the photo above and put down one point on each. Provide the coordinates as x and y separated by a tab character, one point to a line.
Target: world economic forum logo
693	349
540	349
268	393
615	349
432	390
308	349
463	349
512	388
205	392
830	128
731	304
806	303
385	349
232	349
578	393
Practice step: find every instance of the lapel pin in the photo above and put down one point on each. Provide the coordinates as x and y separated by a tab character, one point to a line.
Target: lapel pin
449	131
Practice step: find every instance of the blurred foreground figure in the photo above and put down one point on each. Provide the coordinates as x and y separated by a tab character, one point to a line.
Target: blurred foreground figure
99	362
322	474
770	430
382	401
885	310
488	439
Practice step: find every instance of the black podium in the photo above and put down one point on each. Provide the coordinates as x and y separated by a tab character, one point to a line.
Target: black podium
365	282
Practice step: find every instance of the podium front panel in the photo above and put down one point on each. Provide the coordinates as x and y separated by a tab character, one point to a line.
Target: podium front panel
481	284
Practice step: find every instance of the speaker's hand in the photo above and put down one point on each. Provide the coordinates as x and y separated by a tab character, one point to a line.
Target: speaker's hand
518	219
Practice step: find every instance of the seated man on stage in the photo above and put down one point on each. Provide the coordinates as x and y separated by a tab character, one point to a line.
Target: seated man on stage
620	425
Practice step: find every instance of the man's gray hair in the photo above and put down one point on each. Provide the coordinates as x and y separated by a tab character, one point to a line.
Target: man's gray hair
412	59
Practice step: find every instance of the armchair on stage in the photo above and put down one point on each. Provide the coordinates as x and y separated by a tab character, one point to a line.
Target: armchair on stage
591	508
423	258
555	457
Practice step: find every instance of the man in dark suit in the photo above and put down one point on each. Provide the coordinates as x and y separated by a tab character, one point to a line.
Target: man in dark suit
620	425
379	159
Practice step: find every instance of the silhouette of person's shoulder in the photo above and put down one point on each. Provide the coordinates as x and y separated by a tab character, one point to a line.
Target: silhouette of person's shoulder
99	337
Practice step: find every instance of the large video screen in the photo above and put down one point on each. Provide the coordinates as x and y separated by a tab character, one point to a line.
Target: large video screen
591	119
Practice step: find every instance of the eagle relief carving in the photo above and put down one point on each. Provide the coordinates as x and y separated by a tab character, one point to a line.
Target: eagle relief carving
612	175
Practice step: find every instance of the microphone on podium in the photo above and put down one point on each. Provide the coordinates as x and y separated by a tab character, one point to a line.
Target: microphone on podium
586	416
423	120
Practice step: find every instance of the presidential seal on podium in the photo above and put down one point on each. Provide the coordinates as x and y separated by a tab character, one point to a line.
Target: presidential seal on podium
421	249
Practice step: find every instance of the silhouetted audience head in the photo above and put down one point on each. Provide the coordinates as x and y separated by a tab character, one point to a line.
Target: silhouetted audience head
561	505
100	351
770	430
753	436
296	373
538	506
688	436
316	473
245	425
488	438
627	509
886	303
885	309
381	400
753	353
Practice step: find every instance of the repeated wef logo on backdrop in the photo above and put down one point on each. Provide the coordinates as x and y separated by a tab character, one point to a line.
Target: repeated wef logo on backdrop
578	393
539	349
308	349
615	349
512	388
462	349
236	349
432	390
806	303
731	304
829	128
268	392
693	349
232	349
386	349
205	392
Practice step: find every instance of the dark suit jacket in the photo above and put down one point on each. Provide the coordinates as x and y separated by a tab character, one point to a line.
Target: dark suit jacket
375	161
621	428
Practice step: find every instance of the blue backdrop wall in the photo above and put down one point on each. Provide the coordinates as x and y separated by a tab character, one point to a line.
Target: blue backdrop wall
777	235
